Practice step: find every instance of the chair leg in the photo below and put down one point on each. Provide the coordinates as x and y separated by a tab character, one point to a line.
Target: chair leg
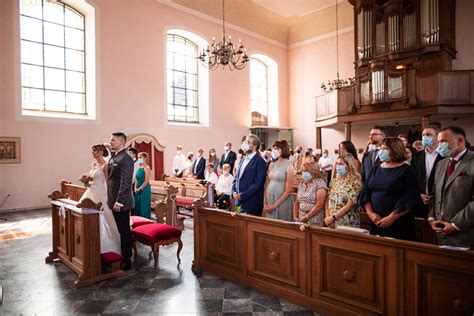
155	249
134	246
180	246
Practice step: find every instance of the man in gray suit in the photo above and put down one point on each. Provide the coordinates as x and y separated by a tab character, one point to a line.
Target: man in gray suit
451	207
119	193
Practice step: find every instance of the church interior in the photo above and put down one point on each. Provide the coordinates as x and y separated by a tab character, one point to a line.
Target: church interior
309	91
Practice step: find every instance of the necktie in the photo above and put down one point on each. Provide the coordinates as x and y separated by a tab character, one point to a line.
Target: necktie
374	158
451	167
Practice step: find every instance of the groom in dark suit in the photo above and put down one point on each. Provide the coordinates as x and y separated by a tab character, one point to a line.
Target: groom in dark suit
249	180
119	193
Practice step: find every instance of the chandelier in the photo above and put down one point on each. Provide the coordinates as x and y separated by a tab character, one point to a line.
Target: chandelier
337	83
224	53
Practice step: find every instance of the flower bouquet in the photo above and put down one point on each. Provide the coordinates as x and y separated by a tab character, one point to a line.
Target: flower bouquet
85	179
305	225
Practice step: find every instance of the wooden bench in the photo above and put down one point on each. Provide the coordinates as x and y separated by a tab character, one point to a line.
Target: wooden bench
72	191
181	180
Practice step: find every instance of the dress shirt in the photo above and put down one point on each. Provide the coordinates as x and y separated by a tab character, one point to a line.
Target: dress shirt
178	163
196	163
211	177
246	162
323	161
224	185
430	159
225	156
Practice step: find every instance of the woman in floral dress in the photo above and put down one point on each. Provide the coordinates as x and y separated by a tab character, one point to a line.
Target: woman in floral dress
341	209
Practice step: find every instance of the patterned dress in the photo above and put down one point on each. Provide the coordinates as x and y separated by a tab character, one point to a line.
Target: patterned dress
276	187
341	190
307	199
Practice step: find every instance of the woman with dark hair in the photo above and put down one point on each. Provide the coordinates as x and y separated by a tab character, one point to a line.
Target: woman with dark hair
278	201
390	193
347	147
212	158
240	156
142	187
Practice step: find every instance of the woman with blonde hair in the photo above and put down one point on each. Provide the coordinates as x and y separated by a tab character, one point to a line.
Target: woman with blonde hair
341	208
311	198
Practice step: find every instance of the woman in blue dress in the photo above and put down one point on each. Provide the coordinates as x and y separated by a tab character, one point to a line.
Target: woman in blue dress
142	187
391	192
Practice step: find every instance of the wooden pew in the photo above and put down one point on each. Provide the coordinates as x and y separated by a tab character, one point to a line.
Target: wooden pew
76	239
191	191
181	180
423	230
72	191
331	271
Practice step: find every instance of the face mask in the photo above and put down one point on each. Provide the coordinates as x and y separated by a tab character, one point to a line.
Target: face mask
226	148
371	147
341	170
306	176
384	155
213	154
245	146
140	160
178	152
276	153
325	154
226	172
427	141
199	154
443	150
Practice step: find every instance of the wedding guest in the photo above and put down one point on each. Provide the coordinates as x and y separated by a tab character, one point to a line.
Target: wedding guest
278	201
297	159
248	185
188	166
371	156
199	165
311	197
451	207
240	156
224	188
210	174
179	162
344	190
391	192
212	158
347	147
408	155
142	187
308	155
325	164
133	152
228	157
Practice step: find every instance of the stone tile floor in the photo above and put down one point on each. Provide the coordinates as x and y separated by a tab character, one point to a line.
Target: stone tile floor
31	287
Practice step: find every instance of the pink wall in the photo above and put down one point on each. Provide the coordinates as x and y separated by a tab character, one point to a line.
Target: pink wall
130	59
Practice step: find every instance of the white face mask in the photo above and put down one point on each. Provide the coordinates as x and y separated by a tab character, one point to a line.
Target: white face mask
226	172
213	154
276	153
198	154
245	146
226	148
178	152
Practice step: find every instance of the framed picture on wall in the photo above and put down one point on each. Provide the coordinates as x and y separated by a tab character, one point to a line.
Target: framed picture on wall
10	150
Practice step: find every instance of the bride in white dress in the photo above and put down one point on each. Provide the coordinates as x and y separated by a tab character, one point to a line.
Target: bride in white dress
97	192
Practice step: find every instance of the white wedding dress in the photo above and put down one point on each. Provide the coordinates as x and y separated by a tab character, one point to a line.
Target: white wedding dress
97	192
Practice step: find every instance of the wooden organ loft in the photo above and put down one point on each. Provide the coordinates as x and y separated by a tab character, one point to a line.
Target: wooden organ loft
403	57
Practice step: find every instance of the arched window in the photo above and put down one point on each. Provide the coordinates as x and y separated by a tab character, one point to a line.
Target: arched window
187	80
53	58
258	91
263	90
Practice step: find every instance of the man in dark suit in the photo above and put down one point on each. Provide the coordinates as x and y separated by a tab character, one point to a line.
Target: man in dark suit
199	165
451	204
371	157
228	157
249	181
119	193
425	163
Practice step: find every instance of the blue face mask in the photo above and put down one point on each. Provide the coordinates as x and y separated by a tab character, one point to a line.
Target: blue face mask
140	160
443	150
306	176
427	141
341	170
384	155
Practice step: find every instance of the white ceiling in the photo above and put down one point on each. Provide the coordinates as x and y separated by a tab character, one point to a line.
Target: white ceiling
294	8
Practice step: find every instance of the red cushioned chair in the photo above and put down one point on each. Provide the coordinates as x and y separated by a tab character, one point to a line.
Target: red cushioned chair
156	235
139	221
